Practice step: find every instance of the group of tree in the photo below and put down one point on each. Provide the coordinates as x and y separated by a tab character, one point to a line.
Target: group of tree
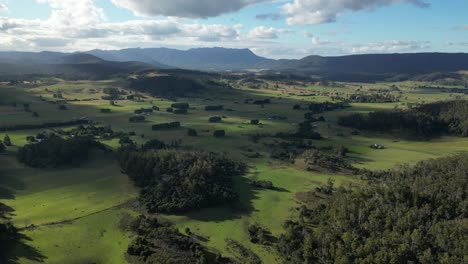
55	151
179	180
160	242
407	215
422	122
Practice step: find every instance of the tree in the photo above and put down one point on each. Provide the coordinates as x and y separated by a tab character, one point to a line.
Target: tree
2	147
7	140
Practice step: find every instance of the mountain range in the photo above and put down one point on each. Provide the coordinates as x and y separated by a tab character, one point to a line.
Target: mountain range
108	62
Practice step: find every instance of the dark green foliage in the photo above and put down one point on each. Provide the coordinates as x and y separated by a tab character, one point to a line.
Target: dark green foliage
243	254
166	126
423	122
143	111
326	159
372	98
254	122
297	107
7	140
113	94
192	132
306	130
259	235
155	108
55	151
169	110
2	147
138	118
159	242
180	111
219	133
180	105
35	114
166	86
263	184
45	125
214	108
63	107
154	145
215	119
318	108
407	215
262	102
106	110
102	132
180	180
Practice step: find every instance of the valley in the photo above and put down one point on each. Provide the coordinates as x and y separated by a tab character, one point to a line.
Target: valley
74	214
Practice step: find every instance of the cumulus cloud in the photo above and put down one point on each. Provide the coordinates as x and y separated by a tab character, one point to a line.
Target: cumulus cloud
390	46
266	32
3	8
184	8
301	12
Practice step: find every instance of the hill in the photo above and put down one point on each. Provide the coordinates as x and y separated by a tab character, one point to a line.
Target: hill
376	66
68	66
210	59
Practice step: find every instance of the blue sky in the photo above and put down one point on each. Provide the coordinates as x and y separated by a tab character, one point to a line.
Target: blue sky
271	28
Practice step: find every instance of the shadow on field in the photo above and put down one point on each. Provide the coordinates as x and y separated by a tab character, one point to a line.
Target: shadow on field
243	206
13	244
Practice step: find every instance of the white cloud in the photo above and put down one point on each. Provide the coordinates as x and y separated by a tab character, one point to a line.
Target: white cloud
301	12
266	32
3	8
184	8
318	41
391	46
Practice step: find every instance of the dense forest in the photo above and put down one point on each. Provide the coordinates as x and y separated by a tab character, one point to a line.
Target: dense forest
160	242
180	180
407	215
422	122
54	151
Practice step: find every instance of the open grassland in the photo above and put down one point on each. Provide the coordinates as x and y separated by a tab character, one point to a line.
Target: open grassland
73	213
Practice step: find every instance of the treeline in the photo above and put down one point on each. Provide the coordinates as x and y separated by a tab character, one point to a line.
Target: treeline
424	122
407	215
160	242
179	180
55	151
166	86
45	125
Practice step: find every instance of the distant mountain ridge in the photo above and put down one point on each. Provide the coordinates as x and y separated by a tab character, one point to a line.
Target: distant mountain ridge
222	59
210	59
368	67
72	66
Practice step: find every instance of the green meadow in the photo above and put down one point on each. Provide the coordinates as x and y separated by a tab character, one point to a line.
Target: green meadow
72	215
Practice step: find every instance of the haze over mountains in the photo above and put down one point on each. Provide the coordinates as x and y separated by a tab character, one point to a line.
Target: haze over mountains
107	62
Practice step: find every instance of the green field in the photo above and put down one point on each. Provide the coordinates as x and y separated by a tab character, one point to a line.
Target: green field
72	214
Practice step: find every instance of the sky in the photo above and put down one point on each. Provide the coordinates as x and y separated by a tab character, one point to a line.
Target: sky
270	28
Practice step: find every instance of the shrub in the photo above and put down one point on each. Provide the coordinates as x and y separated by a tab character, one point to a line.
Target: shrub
180	105
192	132
7	140
215	119
219	133
254	122
180	111
213	107
169	110
166	126
135	119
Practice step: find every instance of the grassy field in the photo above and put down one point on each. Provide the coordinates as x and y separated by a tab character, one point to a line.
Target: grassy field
72	214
